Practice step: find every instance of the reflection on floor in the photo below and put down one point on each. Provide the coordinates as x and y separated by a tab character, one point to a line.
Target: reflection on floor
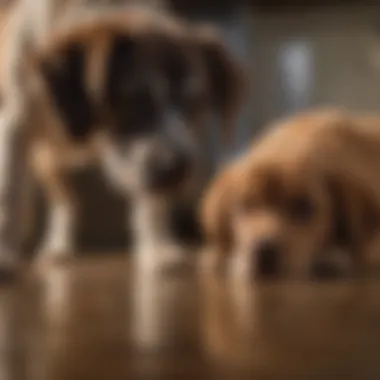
98	319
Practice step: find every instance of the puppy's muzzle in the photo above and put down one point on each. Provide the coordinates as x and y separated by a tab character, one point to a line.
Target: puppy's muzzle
168	169
268	258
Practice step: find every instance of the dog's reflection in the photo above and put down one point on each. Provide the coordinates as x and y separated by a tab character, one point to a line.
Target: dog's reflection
48	325
163	313
32	326
229	319
241	322
274	325
9	335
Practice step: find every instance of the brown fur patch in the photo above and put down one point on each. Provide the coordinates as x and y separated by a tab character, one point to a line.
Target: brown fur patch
220	72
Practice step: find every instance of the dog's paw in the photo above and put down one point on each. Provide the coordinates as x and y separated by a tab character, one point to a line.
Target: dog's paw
48	258
174	258
209	261
239	269
166	258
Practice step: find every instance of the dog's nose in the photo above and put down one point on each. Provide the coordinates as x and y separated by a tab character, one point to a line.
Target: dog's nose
268	258
168	170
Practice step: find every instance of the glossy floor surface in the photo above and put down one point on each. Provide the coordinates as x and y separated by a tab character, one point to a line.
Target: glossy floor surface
100	319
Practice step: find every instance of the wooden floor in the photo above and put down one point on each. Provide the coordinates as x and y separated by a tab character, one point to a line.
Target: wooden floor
98	319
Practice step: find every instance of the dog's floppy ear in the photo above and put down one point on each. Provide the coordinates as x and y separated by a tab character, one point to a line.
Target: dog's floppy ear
226	79
354	218
63	72
121	64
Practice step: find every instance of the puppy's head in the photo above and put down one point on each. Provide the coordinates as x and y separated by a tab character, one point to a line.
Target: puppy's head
143	82
271	212
279	217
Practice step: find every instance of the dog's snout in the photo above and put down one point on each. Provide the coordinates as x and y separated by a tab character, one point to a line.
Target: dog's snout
168	169
268	257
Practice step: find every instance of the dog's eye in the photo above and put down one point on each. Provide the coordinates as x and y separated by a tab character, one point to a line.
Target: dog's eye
301	209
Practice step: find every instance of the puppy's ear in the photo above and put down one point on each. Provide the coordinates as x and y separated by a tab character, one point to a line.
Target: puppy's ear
216	213
354	218
63	72
226	79
121	65
340	222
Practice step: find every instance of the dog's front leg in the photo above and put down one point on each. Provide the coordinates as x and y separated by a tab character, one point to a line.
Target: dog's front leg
155	245
12	170
57	242
14	124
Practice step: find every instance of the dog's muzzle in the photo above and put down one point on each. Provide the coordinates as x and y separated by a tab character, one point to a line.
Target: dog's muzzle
167	169
148	165
160	160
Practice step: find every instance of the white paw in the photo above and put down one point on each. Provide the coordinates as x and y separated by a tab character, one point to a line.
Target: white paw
165	257
174	255
145	259
209	261
53	256
239	269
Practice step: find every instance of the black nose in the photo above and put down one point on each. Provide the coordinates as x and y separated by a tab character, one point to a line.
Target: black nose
268	258
168	170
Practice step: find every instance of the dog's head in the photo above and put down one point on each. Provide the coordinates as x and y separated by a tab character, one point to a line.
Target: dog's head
279	217
272	208
145	82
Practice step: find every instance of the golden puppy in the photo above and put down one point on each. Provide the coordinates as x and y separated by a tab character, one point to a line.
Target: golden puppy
308	188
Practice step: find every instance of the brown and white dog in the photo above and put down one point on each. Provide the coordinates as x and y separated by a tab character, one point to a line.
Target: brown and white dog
129	89
306	197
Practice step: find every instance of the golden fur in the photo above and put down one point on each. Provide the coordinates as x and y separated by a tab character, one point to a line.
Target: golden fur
310	184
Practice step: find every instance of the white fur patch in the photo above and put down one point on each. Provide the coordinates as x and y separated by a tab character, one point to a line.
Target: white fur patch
59	235
155	246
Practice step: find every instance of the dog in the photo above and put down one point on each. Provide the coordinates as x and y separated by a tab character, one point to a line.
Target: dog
303	201
129	89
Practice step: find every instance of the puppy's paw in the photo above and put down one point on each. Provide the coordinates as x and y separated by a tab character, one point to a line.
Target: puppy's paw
174	258
239	269
209	261
166	258
47	259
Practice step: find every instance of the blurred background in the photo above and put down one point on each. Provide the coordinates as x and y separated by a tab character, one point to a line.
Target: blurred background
97	320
